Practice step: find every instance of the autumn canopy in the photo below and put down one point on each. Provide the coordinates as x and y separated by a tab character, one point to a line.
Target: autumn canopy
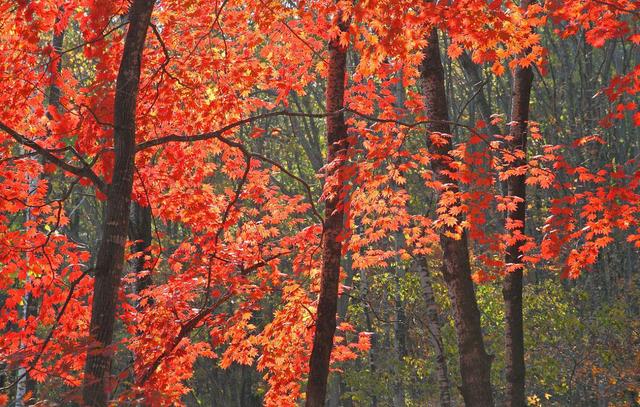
274	202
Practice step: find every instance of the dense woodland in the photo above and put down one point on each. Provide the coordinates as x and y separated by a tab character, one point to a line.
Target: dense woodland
321	203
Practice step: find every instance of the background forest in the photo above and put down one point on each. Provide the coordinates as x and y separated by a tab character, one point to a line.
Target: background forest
340	203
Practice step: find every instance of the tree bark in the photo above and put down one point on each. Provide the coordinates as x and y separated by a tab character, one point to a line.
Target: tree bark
333	226
512	285
140	233
434	326
475	363
110	260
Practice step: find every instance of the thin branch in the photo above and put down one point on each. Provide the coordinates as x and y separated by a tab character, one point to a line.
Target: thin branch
295	34
618	7
47	339
83	172
223	220
218	135
476	93
185	330
167	56
192	323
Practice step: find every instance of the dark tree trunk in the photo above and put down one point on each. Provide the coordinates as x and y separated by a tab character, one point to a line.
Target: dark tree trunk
512	285
475	363
56	68
110	260
333	226
140	233
434	327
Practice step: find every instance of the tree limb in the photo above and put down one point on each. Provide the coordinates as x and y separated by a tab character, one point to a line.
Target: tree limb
82	172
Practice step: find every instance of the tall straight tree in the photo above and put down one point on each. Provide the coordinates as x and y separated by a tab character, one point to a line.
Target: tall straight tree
110	260
475	363
333	225
25	385
434	326
512	285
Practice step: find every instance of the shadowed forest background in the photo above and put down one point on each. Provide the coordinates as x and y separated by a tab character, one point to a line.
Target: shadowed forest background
321	203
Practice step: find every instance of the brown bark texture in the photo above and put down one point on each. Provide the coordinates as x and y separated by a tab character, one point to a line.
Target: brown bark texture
111	253
333	226
475	363
512	285
140	232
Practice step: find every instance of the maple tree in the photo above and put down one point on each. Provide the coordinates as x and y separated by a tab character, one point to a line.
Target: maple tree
256	183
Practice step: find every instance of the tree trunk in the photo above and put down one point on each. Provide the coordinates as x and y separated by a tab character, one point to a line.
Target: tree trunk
399	336
30	308
399	275
337	387
372	354
140	233
512	285
475	363
435	336
473	73
110	260
333	226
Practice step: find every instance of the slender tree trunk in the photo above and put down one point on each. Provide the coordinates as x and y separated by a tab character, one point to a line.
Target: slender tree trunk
372	354
475	363
434	327
473	73
140	233
399	274
30	307
337	387
399	336
512	285
110	260
333	226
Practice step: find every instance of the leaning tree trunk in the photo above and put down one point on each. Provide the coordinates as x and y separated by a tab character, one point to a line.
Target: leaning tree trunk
333	226
434	326
110	260
512	285
475	363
